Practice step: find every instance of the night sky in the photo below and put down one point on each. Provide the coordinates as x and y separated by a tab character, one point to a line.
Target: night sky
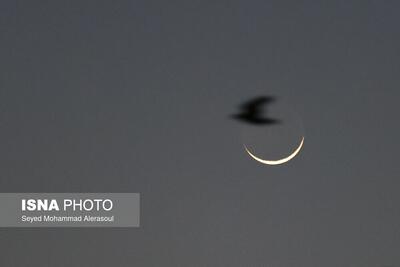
136	96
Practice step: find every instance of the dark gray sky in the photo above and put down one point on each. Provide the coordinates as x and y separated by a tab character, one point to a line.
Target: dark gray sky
134	96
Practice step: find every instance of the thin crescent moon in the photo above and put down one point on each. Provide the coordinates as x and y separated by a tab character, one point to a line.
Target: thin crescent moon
279	161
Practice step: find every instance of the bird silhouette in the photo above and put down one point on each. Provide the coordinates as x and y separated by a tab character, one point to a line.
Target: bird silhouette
252	111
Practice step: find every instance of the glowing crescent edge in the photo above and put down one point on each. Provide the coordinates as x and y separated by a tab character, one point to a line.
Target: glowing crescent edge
276	162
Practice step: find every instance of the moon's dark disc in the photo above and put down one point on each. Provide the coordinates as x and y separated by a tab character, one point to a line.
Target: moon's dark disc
277	141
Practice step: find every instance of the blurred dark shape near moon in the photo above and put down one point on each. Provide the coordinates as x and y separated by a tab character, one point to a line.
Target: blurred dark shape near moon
252	111
279	140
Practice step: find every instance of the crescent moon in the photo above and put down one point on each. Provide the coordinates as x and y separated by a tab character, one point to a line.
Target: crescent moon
279	161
